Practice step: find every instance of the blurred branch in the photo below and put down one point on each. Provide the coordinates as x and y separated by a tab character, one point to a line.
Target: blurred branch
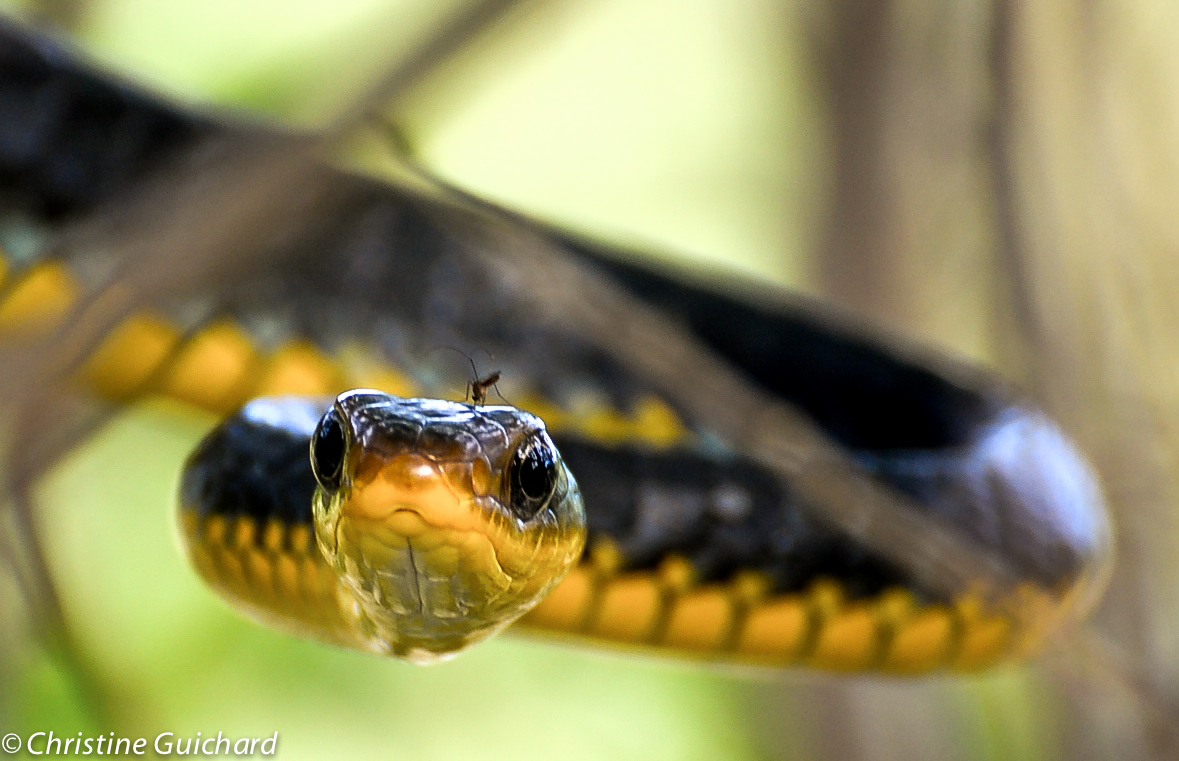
860	240
65	15
1010	247
455	33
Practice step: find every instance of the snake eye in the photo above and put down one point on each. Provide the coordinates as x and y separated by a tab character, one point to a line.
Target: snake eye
532	476
328	446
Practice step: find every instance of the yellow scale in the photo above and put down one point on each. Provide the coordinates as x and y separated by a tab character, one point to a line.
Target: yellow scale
219	368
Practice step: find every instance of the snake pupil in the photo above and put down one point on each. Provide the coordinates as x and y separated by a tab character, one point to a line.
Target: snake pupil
327	452
533	477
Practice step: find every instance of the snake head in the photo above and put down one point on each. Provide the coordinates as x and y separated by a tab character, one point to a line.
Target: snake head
445	522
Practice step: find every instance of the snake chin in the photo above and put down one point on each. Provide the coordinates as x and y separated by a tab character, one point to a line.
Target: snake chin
422	657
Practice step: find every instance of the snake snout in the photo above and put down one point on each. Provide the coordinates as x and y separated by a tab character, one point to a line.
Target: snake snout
450	522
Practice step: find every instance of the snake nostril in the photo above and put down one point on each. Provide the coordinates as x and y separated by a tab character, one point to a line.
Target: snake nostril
328	447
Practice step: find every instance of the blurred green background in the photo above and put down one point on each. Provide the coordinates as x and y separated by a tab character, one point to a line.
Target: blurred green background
990	177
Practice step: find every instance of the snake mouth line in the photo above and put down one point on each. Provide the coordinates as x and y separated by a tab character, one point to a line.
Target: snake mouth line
416	575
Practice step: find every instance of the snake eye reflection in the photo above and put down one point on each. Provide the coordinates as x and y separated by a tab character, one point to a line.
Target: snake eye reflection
532	477
327	452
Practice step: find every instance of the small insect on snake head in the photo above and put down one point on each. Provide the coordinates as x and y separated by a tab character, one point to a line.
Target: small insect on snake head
478	388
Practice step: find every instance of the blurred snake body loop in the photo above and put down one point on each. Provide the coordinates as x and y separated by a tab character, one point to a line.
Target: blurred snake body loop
814	494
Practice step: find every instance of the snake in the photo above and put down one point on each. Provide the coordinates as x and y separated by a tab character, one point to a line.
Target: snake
342	499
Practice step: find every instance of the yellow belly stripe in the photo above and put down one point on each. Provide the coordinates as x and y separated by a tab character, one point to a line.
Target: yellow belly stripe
650	423
849	640
700	620
299	368
737	621
219	368
214	369
37	300
923	641
984	637
126	362
628	610
777	629
565	608
274	574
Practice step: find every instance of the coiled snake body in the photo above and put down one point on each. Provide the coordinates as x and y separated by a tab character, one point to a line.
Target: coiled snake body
400	525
